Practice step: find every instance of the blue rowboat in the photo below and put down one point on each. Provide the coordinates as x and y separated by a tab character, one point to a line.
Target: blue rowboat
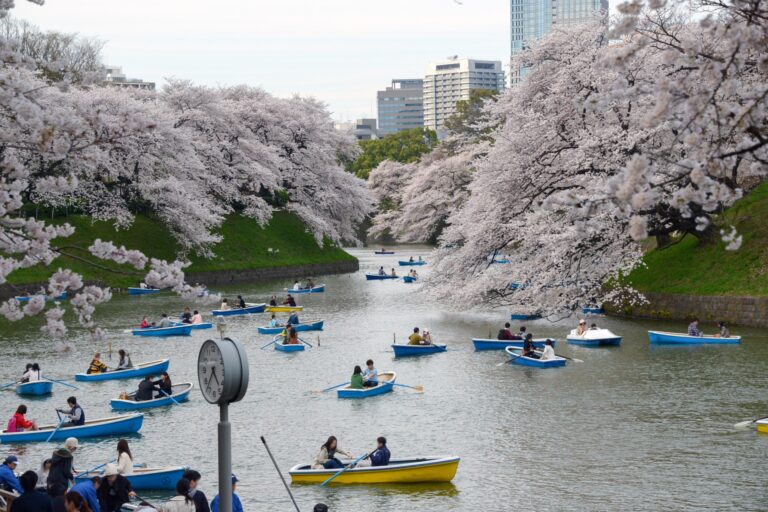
140	370
386	384
116	425
294	347
418	350
594	338
315	289
515	316
195	327
62	296
381	253
36	388
146	478
314	326
516	357
375	277
409	279
500	262
684	339
180	393
411	263
142	291
176	330
249	309
491	344
592	311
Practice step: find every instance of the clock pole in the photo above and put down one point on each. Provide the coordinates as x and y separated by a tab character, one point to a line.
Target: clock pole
225	459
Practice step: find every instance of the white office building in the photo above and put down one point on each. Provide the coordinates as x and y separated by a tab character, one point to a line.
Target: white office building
452	80
116	78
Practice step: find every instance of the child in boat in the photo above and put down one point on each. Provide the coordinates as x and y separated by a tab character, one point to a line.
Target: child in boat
326	458
548	352
24	376
370	375
356	382
96	365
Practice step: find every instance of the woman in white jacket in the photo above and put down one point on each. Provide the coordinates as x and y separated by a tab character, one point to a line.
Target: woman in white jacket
124	458
181	502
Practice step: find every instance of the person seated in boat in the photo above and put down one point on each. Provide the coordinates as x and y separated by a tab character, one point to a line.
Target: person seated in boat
326	457
393	273
144	323
593	327
411	259
146	389
125	360
521	333
356	381
548	352
310	284
33	374
291	337
8	480
581	330
722	330
96	365
24	375
18	423
273	321
164	321
693	328
381	271
293	319
273	301
296	285
186	316
143	286
88	490
164	384
75	416
415	338
505	333
420	259
124	458
240	302
413	273
426	339
370	375
380	456
197	318
529	350
289	301
224	305
115	490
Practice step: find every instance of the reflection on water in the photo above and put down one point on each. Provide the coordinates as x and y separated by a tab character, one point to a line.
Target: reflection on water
640	427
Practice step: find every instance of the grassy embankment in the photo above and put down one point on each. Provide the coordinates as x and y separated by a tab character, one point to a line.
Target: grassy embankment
705	267
244	246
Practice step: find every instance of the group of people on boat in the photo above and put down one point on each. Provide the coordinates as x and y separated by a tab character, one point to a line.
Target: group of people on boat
368	378
31	373
309	284
293	319
191	317
420	338
506	333
722	329
383	272
98	366
239	304
72	415
164	321
289	301
412	273
326	457
413	261
147	387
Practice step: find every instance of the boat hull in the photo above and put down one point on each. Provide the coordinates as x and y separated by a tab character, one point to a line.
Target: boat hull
196	327
154	368
683	339
592	311
515	316
37	388
280	347
377	277
314	326
131	405
316	289
148	479
386	384
762	426
284	309
417	350
406	471
411	263
118	425
249	310
142	291
409	279
516	358
491	344
601	342
177	330
381	253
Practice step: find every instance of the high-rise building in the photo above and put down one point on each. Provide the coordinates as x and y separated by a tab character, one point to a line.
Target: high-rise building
116	78
365	129
452	80
533	19
401	106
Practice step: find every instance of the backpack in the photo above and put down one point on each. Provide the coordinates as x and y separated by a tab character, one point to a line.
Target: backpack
11	424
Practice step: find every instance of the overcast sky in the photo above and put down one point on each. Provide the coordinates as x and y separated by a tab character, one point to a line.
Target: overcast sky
340	51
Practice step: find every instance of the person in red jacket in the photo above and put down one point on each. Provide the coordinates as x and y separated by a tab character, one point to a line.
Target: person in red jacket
19	423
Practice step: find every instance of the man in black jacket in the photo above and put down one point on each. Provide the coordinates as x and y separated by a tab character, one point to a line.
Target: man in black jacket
31	500
146	389
201	502
114	491
61	473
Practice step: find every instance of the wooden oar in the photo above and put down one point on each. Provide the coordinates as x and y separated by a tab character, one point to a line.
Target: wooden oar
745	424
142	500
62	383
274	462
344	469
418	389
56	429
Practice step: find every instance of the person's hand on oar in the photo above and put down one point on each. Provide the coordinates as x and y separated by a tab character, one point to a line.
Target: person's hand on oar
350	466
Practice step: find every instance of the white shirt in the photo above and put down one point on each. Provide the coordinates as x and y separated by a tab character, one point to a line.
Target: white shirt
31	376
296	286
371	375
548	353
124	464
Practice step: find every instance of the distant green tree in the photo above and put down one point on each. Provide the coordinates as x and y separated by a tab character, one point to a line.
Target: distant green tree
470	120
404	147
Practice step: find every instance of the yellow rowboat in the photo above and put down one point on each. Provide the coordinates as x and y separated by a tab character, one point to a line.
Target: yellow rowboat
400	471
283	309
762	426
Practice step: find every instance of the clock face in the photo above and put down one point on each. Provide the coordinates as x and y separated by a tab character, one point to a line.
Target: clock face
210	372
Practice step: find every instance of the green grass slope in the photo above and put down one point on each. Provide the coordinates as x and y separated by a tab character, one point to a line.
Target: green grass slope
705	267
244	246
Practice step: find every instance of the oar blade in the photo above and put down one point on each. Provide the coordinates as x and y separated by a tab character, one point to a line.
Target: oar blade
744	424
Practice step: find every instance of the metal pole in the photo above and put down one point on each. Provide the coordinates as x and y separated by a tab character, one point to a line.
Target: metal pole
225	459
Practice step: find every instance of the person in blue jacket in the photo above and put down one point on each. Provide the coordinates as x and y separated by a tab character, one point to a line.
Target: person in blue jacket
380	456
8	480
237	506
89	490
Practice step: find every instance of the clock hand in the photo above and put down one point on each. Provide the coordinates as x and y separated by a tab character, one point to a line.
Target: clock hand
213	374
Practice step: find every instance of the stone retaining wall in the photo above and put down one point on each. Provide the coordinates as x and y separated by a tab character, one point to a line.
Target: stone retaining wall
748	311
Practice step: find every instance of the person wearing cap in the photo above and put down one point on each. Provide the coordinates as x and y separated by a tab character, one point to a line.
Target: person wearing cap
61	473
581	330
75	414
195	494
89	490
115	490
237	506
8	480
31	500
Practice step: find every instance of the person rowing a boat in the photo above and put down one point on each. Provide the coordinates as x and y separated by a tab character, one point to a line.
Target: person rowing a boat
411	259
293	319
144	323
197	318
240	302
426	339
289	301
370	375
164	322
296	285
75	415
96	365
326	457
164	384
521	333
415	338
393	273
125	360
310	284
529	350
723	331
381	271
291	338
146	389
693	328
24	376
8	480
379	457
115	490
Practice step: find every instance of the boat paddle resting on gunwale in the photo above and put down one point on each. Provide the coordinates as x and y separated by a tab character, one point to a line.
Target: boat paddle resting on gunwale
143	479
312	326
142	291
491	344
516	357
673	338
386	383
378	277
140	370
315	289
398	471
176	330
36	388
249	309
418	350
116	425
594	338
179	393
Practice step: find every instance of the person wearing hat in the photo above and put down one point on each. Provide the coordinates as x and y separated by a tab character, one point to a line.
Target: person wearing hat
61	473
89	490
115	490
237	506
31	500
581	330
8	480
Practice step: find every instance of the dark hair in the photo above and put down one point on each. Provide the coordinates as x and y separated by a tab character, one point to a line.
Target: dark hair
548	342
320	507
29	366
36	367
72	400
506	325
182	489
593	325
78	501
357	370
381	440
415	329
164	315
28	481
22	409
370	361
195	312
122	447
47	461
329	442
121	352
529	336
192	475
721	323
522	328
